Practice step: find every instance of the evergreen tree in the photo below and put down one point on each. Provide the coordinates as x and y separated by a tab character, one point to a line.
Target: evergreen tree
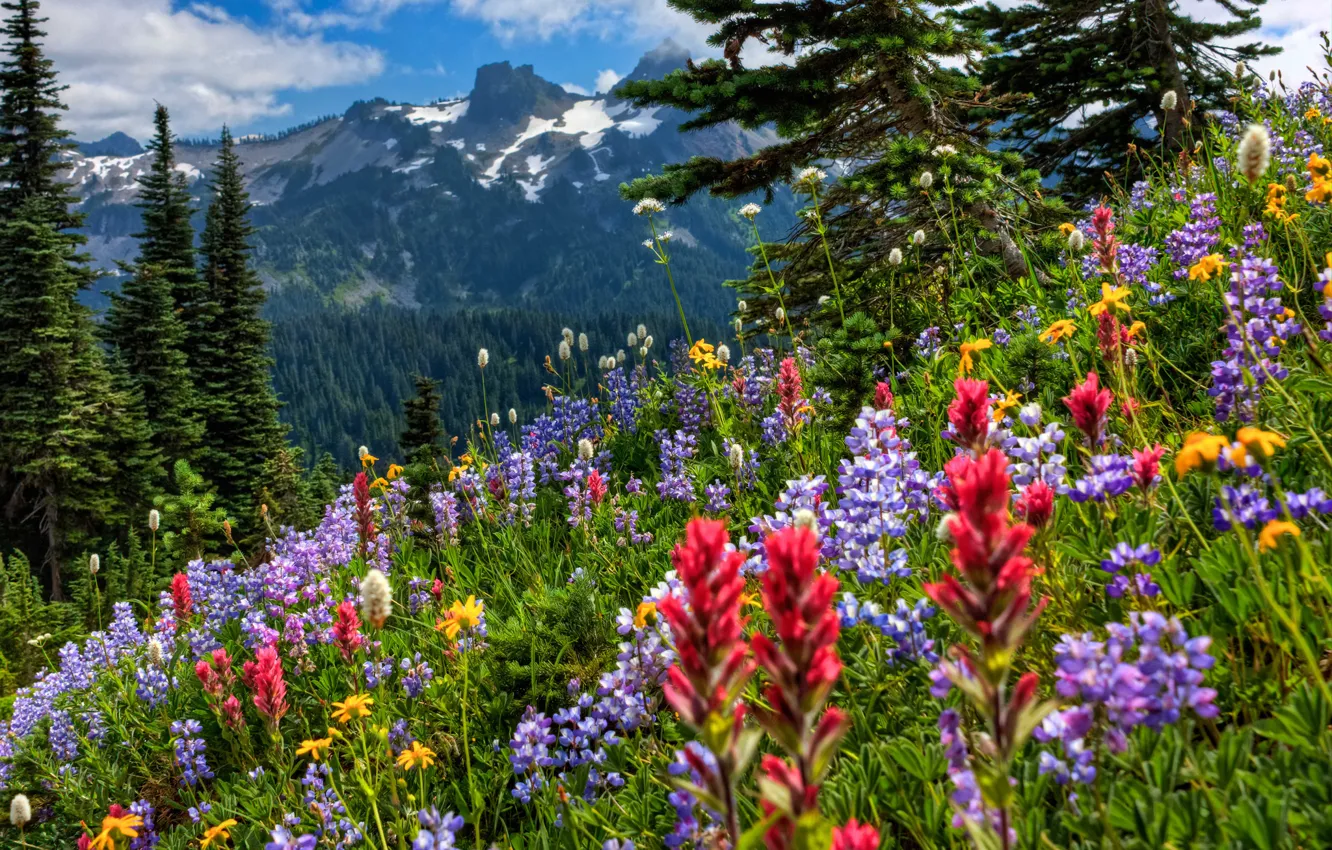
142	327
166	243
424	435
862	84
1095	72
55	392
233	366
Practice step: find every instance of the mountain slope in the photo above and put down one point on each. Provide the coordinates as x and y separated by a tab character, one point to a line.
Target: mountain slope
507	197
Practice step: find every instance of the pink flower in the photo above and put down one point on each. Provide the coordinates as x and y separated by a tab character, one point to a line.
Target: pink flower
270	687
596	488
346	630
1147	466
1036	504
790	390
180	597
1088	404
883	396
855	836
365	517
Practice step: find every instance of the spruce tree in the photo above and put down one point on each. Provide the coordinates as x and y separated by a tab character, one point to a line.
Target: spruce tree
424	436
243	433
862	84
1094	74
56	400
166	243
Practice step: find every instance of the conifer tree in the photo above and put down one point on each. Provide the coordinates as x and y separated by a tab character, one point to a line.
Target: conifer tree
166	242
146	333
1095	75
56	398
233	367
424	435
864	84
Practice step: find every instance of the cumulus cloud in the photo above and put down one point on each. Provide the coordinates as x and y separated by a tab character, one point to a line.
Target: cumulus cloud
607	79
207	67
348	14
515	20
574	88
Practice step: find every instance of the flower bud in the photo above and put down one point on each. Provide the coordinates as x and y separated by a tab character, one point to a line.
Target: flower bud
918	238
1255	151
376	598
895	257
482	358
20	810
736	456
926	179
582	343
513	416
154	519
94	563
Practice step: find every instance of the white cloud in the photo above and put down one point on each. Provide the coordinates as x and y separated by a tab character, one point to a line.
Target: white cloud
349	14
647	20
207	67
574	88
607	79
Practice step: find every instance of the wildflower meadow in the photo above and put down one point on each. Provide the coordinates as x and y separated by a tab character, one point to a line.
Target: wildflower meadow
1060	579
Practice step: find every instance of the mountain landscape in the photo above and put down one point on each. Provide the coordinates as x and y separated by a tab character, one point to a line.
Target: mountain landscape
506	198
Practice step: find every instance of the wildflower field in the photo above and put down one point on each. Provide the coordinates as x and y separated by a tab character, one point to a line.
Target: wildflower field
1060	581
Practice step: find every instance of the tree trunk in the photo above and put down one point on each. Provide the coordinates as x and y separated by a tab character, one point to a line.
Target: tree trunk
1161	47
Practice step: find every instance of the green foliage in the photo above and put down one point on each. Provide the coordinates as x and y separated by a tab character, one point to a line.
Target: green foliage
193	520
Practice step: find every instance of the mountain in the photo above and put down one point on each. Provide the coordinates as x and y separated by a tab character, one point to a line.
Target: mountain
507	197
114	145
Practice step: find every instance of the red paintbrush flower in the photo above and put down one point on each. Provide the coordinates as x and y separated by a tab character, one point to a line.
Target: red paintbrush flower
347	629
855	836
1107	246
1109	337
1147	465
790	390
231	712
883	396
1088	404
596	487
365	517
969	414
270	687
180	597
1035	504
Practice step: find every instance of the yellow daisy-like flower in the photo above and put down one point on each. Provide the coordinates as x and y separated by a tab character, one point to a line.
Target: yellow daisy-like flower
313	747
1112	299
1135	329
1320	167
646	612
367	459
356	705
462	615
1207	268
126	825
1067	228
750	600
1006	404
1274	531
379	483
1062	329
969	348
1320	193
393	471
1199	450
1258	442
1313	114
416	754
702	354
217	833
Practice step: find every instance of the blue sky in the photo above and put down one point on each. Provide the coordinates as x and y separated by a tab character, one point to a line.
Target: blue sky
263	65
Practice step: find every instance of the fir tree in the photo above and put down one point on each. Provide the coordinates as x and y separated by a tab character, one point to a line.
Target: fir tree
424	436
55	391
233	366
142	327
1095	74
166	243
863	84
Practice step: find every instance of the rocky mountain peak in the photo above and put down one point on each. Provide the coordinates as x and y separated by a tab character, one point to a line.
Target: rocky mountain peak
504	95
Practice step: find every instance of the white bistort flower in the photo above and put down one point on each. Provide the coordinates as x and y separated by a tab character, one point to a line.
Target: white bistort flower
724	353
582	343
482	358
942	151
648	206
94	563
376	598
750	210
926	179
155	653
811	175
585	449
568	335
154	520
565	350
1076	240
633	340
20	810
494	419
641	331
895	257
513	416
1169	100
918	238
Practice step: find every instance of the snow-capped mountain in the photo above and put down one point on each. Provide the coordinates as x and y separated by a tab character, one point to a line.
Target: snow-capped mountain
491	196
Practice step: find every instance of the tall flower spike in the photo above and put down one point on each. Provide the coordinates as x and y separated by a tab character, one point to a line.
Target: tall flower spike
801	671
180	597
347	630
365	516
713	663
270	686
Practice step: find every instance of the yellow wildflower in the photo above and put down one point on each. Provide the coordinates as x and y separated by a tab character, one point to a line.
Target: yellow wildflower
1320	193
1199	450
217	833
379	483
702	354
393	471
1135	329
1276	204
1320	168
356	705
1313	114
968	349
418	753
1066	228
647	612
1207	268
1274	531
1062	329
367	459
462	615
313	747
126	825
1112	299
1259	442
1006	404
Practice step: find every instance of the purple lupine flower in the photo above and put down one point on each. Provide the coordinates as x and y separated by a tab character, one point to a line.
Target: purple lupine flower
283	839
928	343
437	831
416	674
1245	505
717	495
1256	330
190	748
1312	501
1107	476
676	482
